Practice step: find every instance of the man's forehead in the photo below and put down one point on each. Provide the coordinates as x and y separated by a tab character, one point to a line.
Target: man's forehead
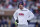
20	5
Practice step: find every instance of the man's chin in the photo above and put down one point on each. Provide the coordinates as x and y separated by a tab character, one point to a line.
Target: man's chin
21	8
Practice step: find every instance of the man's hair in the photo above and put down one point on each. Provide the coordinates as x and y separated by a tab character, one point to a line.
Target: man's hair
20	3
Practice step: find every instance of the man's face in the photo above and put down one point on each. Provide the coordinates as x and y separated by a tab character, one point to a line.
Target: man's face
21	6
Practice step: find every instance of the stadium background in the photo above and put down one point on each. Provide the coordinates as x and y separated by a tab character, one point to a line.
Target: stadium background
8	7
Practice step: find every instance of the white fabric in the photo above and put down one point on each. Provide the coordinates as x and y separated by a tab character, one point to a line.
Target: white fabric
23	15
22	25
10	7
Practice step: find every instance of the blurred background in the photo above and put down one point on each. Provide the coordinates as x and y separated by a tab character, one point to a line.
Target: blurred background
8	7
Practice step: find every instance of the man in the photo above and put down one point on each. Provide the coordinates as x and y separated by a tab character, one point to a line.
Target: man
23	14
13	22
0	22
5	22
